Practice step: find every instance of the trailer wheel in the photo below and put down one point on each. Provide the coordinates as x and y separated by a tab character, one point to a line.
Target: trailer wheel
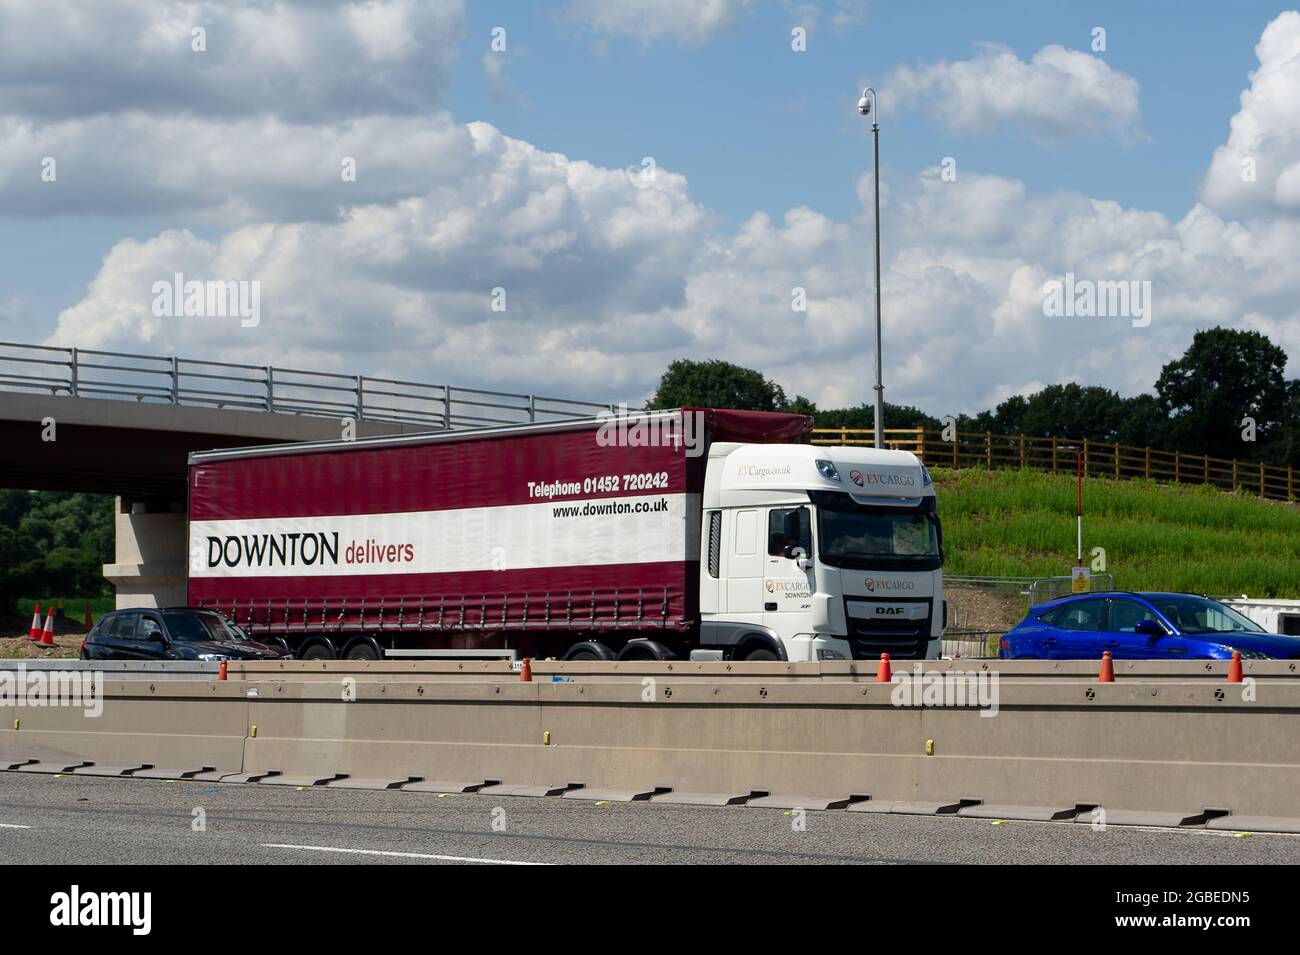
645	650
362	650
589	650
317	650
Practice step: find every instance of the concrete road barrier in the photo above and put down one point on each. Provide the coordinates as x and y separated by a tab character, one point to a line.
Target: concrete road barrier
1195	752
393	671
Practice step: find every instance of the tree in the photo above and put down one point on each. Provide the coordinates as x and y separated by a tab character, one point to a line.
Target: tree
864	417
1225	376
717	384
1062	411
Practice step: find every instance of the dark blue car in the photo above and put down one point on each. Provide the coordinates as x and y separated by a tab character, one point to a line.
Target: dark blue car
1141	626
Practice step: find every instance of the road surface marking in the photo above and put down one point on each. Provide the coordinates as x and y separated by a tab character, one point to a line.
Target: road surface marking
399	855
10	825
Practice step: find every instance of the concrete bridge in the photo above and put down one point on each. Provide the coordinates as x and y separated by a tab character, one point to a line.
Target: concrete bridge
113	423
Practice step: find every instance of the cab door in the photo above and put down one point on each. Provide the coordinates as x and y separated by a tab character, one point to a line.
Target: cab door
787	587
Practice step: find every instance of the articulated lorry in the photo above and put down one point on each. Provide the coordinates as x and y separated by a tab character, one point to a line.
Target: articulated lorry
692	533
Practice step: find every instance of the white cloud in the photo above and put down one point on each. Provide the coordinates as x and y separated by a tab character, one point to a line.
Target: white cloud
609	277
1258	168
296	58
686	21
1059	93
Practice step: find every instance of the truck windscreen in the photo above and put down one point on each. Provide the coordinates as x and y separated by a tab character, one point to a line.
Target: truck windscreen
866	538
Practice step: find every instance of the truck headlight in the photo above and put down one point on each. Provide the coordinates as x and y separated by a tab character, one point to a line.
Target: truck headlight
829	655
827	470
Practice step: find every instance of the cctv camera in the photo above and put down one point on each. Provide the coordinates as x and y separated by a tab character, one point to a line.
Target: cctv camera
864	106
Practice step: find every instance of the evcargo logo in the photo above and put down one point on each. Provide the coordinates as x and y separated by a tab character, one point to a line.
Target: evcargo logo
760	471
883	583
881	478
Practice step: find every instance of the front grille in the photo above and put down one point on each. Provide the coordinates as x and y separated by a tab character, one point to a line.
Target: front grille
901	639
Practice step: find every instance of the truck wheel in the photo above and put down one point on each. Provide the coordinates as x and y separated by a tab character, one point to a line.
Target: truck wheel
362	650
317	650
589	650
757	653
645	650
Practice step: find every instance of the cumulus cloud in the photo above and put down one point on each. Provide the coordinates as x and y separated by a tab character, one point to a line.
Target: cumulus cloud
301	59
1258	168
1058	93
685	21
609	275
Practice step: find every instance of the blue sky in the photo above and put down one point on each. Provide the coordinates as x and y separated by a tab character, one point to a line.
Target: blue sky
481	170
756	127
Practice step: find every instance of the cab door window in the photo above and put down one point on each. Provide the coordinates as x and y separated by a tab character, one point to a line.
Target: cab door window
786	526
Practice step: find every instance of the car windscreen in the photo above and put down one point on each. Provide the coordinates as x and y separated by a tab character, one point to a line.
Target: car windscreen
1198	615
195	626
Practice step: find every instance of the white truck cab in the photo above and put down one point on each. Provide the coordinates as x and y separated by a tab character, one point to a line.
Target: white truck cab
819	553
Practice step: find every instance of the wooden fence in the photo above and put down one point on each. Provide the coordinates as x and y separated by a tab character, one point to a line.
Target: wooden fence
1060	455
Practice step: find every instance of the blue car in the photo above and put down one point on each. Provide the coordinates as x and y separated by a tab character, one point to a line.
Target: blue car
1141	626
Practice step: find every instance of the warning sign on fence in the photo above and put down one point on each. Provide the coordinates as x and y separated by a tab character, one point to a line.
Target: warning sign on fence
1080	580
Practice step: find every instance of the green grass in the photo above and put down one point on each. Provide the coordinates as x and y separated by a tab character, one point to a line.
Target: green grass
73	608
1157	537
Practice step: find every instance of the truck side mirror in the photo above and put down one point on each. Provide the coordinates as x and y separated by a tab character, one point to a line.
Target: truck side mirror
790	526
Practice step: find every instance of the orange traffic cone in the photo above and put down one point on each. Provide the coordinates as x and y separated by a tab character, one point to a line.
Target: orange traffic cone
1107	674
88	619
47	635
884	673
35	632
221	670
526	671
1234	668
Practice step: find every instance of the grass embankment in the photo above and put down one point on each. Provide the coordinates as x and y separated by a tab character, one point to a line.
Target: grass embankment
1156	536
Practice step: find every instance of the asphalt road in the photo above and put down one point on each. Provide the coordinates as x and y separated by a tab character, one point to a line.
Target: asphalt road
86	821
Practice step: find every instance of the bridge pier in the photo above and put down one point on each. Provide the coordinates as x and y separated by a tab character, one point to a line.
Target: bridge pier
150	538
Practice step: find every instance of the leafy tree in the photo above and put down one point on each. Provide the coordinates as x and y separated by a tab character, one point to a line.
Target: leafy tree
864	417
53	544
717	384
1062	411
1226	375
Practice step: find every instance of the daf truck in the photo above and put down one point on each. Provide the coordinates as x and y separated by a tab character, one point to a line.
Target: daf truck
691	533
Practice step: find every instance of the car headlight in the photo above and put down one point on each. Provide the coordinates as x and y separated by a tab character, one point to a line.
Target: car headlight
1249	654
212	657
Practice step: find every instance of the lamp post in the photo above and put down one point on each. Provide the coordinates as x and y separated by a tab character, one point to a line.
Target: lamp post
867	107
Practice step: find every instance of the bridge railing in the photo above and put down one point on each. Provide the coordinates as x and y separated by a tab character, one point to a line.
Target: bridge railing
88	373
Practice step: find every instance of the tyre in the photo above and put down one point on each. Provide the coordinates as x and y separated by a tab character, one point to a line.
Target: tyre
362	650
757	653
317	650
646	650
589	650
